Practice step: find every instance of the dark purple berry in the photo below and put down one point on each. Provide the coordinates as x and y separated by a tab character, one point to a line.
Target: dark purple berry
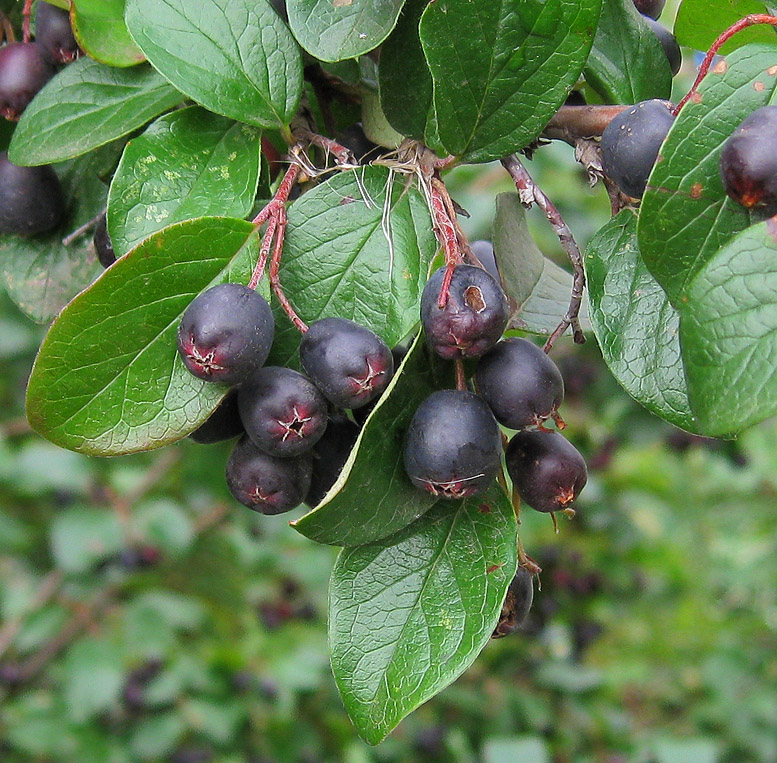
282	411
329	456
521	384
23	72
630	145
484	251
31	199
748	162
226	333
546	469
54	34
474	317
349	363
517	603
453	446
651	8
668	43
354	139
264	483
102	243
223	424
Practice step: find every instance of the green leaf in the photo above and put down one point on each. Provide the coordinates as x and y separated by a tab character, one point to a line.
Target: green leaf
636	327
190	163
99	27
728	333
699	23
93	678
85	106
627	62
81	537
332	30
108	379
40	273
373	497
235	57
686	215
407	616
501	69
357	247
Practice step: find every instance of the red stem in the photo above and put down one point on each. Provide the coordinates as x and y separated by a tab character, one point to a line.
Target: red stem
275	283
445	229
26	14
747	21
461	379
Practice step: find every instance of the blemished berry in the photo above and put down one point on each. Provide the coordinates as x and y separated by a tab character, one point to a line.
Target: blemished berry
24	70
265	483
223	424
520	383
668	43
282	411
54	34
517	603
474	317
650	8
546	469
630	145
349	363
103	244
484	251
226	333
329	456
748	162
31	199
453	446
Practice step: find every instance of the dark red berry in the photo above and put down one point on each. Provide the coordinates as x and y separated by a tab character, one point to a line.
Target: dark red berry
453	446
102	243
630	145
54	34
748	162
329	456
546	469
651	8
349	363
226	333
265	483
24	70
484	251
668	43
282	411
474	317
521	384
517	603
223	424
31	199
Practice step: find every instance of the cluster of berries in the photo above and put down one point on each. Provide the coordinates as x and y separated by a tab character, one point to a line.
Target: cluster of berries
31	199
295	435
453	447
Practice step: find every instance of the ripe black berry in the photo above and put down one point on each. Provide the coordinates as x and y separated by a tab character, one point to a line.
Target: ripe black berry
264	483
282	411
31	199
102	243
484	251
546	469
346	361
474	317
668	43
226	333
748	162
54	34
630	145
329	456
223	424
453	445
517	603
521	384
23	72
651	8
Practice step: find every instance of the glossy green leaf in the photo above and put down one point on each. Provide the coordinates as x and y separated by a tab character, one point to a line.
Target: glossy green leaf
190	163
373	497
357	247
627	62
99	27
501	69
108	379
728	333
332	30
85	106
685	215
408	615
40	273
235	57
636	327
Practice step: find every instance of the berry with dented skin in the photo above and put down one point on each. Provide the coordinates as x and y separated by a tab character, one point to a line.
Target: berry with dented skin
517	603
23	72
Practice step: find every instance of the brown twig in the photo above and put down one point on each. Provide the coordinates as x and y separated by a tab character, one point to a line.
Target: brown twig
81	230
571	123
531	193
7	29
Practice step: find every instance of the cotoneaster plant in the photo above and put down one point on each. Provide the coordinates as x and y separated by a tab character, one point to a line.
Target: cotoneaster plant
264	185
